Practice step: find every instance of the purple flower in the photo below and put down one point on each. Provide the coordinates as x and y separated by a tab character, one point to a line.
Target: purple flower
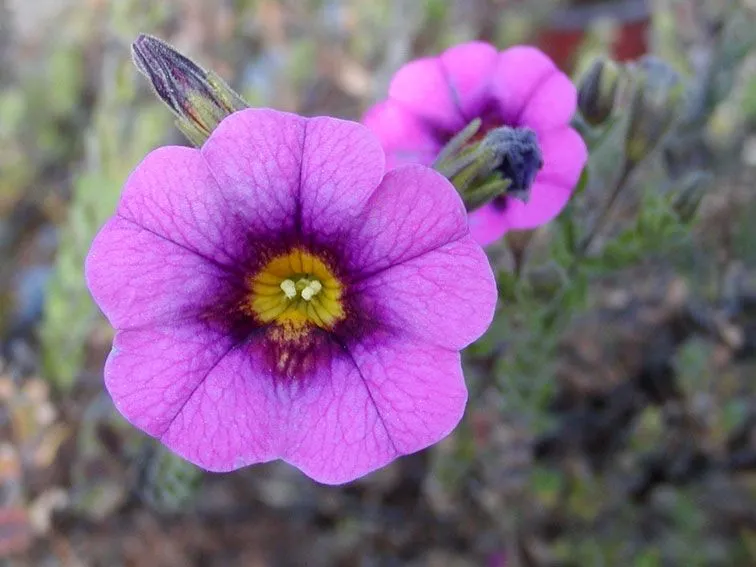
277	297
432	99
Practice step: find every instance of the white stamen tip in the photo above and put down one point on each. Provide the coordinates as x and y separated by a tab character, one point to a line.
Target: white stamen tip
289	288
312	289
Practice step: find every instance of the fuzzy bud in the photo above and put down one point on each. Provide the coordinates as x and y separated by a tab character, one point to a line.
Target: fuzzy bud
516	156
504	163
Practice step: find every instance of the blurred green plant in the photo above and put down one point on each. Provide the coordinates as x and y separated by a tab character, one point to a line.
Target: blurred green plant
123	129
114	144
650	167
168	483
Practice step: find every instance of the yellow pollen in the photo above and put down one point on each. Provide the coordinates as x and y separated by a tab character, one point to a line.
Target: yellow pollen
294	293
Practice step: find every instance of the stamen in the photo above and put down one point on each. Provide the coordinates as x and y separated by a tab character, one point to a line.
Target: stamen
295	292
312	289
289	288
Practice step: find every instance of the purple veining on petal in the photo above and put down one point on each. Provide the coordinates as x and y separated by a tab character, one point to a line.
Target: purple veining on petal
225	351
469	69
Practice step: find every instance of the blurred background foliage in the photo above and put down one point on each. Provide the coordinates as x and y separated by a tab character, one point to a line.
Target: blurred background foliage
612	418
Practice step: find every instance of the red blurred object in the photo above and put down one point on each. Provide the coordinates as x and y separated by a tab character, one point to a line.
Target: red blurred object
15	532
562	38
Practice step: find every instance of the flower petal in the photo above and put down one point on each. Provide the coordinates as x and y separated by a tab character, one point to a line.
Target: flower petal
380	399
545	203
423	88
255	156
138	277
564	156
404	138
445	297
173	195
490	223
342	164
469	68
158	375
217	403
520	73
414	211
551	105
241	187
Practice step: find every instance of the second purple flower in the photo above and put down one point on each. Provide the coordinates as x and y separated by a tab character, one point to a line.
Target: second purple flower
434	98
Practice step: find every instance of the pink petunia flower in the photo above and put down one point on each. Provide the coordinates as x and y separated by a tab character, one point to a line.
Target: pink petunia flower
432	99
277	297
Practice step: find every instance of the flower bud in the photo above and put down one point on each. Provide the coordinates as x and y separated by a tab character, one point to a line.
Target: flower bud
504	163
598	91
654	106
480	195
514	153
200	99
690	193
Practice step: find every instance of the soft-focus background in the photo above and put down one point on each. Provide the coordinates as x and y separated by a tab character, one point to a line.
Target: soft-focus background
611	422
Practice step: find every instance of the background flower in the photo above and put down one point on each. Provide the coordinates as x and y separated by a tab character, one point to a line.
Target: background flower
432	99
277	297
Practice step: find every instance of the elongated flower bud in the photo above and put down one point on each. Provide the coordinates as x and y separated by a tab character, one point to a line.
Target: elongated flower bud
654	106
200	99
598	91
690	193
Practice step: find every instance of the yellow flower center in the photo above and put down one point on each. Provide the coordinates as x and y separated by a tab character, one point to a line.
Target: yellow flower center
295	292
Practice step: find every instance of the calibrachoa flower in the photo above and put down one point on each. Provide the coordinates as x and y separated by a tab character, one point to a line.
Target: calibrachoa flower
277	297
432	99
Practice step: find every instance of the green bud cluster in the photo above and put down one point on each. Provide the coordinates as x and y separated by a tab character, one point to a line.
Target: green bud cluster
504	162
